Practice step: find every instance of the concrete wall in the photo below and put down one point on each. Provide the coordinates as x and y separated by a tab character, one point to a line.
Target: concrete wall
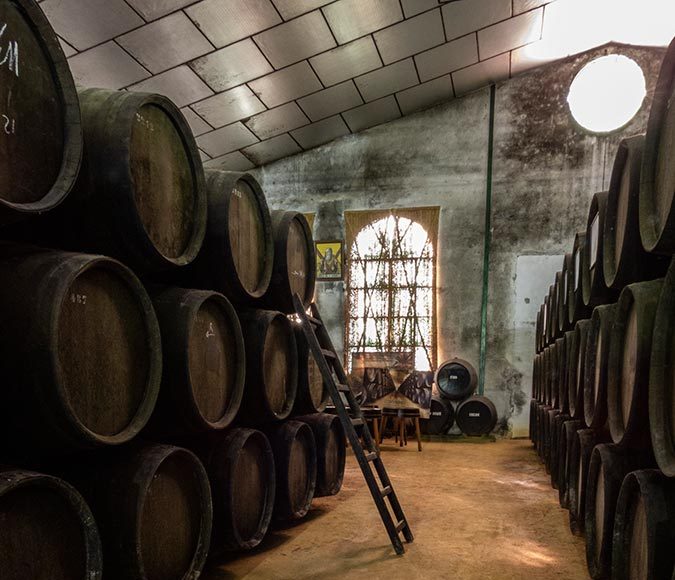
545	171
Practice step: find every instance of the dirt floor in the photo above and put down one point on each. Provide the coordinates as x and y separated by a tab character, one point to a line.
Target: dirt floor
478	511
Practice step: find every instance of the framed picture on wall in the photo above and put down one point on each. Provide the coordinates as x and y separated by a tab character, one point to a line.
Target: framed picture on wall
329	259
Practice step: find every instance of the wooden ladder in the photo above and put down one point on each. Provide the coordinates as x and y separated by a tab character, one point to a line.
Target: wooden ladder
323	351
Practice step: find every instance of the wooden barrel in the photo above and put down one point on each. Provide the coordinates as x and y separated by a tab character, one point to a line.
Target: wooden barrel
204	362
563	365
240	466
662	378
657	218
140	196
568	430
592	275
48	531
41	143
152	504
545	323
555	431
549	445
644	528
628	364
549	358
553	368
476	416
538	330
312	395
596	365
624	259
566	279
294	265
294	450
555	308
542	414
534	407
456	379
606	471
576	309
238	252
441	417
576	367
550	307
76	330
271	366
330	452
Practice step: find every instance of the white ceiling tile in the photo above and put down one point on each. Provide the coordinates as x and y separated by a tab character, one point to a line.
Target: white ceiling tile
320	132
331	101
295	40
387	80
180	84
292	8
226	21
350	19
231	162
154	9
166	43
230	106
232	65
347	61
68	50
410	36
525	5
197	124
285	85
511	33
412	7
467	16
479	75
106	67
371	114
276	121
86	23
447	57
528	57
226	139
272	149
425	95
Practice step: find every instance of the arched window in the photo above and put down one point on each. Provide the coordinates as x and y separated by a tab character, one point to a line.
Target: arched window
391	291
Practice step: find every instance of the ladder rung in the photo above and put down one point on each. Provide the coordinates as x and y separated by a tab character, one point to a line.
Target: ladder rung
372	456
343	388
399	526
357	421
328	353
386	491
314	321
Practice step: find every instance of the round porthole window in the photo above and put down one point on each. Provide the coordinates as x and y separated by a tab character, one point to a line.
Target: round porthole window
607	93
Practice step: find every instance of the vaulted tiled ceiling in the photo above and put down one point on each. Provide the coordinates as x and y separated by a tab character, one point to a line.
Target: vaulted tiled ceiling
262	79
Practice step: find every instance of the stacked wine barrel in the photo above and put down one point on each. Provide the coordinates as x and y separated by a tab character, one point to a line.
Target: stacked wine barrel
158	405
602	415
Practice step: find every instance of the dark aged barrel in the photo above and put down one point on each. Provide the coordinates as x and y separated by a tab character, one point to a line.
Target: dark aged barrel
240	466
238	252
550	449
456	379
628	364
77	330
294	266
644	528
312	396
534	406
597	358
557	290
152	504
271	366
47	530
441	417
549	372
625	260
568	431
330	452
657	180
295	461
537	330
662	378
566	278
141	195
592	277
563	373
550	302
40	127
576	309
555	430
204	362
542	414
553	368
476	416
576	367
607	469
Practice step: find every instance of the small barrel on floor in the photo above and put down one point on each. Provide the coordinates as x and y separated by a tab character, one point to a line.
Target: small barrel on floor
476	416
456	379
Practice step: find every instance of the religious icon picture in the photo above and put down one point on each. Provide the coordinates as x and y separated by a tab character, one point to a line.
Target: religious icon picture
329	256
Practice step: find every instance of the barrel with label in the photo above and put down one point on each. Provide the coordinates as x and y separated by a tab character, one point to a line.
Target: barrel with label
238	252
576	367
312	395
77	330
576	309
593	286
47	530
644	528
271	367
204	362
566	278
240	466
476	416
40	125
657	179
294	269
456	379
441	417
330	452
